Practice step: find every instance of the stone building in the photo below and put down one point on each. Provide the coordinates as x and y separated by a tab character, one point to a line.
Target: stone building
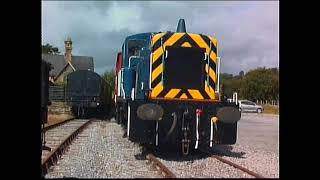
67	63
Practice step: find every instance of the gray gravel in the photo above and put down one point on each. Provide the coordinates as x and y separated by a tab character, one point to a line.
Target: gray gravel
257	149
265	163
101	152
261	131
203	168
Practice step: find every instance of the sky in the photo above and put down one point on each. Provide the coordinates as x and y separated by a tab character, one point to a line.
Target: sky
247	31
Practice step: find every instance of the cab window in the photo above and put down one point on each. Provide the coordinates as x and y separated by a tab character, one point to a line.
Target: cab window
135	47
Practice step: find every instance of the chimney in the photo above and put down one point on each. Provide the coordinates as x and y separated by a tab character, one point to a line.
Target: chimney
181	28
68	49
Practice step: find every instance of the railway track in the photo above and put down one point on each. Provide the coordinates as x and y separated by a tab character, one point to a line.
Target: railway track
56	124
160	166
114	157
167	173
58	137
100	151
256	175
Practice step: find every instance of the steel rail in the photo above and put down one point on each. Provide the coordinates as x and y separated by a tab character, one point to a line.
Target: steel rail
52	158
159	166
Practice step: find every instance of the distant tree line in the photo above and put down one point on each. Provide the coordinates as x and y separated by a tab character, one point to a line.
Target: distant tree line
109	76
259	85
49	49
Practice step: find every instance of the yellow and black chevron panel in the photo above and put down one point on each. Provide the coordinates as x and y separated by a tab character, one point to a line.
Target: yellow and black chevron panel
160	42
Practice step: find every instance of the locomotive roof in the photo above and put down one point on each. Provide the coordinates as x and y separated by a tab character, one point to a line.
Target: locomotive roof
58	63
141	35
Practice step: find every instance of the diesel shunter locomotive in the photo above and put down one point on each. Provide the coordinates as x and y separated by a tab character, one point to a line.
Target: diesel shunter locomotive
167	91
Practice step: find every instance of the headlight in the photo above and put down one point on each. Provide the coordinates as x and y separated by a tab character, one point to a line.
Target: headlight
228	114
150	112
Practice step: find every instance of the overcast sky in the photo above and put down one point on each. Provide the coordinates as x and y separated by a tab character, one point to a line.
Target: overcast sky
247	31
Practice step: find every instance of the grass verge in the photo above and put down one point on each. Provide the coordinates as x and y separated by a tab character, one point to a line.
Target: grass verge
270	109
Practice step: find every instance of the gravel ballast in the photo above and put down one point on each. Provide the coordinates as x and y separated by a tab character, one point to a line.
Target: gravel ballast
101	152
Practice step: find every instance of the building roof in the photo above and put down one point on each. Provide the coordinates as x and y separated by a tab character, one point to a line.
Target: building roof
58	63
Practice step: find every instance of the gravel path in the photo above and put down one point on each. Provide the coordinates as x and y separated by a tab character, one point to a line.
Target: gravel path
203	167
257	149
263	162
101	152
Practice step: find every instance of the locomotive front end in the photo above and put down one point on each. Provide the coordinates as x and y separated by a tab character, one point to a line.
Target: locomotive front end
185	83
173	93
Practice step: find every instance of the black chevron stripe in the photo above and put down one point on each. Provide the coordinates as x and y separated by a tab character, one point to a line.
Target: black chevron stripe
204	94
163	92
184	91
179	42
179	94
211	82
207	40
185	38
156	63
165	37
156	81
213	65
188	94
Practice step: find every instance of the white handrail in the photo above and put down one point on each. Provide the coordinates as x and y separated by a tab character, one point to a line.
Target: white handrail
131	58
235	97
218	76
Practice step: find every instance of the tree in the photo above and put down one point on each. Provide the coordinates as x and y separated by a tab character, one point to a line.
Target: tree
257	84
261	84
109	76
49	49
231	84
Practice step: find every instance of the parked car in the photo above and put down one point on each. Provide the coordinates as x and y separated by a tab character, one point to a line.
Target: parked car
249	106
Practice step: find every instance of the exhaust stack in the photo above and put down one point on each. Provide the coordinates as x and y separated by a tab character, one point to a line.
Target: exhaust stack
181	26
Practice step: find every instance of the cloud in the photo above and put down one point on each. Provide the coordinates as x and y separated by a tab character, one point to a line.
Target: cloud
247	32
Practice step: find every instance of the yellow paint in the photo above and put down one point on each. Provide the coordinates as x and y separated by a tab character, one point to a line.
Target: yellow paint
197	38
212	74
156	72
178	99
209	91
214	119
214	41
184	96
172	93
156	54
156	91
213	56
174	38
195	94
156	37
186	44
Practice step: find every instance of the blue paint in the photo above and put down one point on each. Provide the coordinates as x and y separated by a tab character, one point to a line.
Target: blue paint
128	81
138	72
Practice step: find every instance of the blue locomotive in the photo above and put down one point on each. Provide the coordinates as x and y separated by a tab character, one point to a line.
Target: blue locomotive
167	91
